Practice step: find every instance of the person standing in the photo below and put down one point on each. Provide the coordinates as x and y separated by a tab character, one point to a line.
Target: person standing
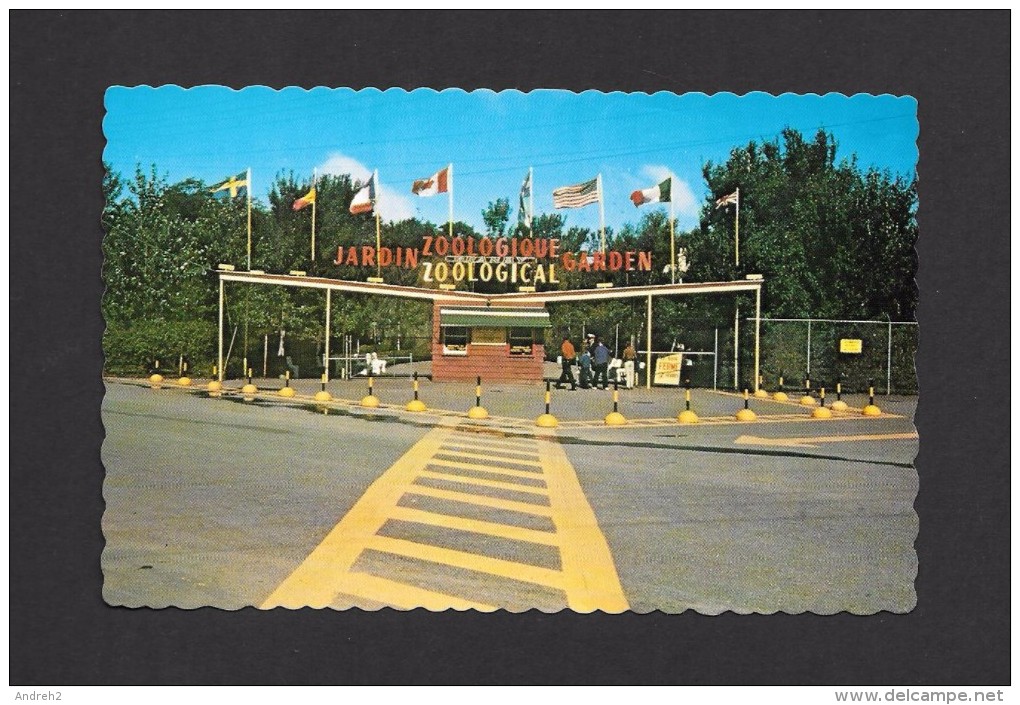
629	360
600	363
585	361
567	358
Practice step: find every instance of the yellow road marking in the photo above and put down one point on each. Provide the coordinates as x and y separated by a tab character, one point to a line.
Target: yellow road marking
496	458
485	468
447	521
592	582
810	441
402	595
469	561
587	575
495	484
491	469
316	581
491	441
468	447
468	498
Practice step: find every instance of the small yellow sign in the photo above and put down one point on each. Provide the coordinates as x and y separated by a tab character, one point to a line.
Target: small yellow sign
851	345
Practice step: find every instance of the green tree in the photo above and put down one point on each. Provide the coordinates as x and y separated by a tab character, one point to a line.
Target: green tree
496	216
831	240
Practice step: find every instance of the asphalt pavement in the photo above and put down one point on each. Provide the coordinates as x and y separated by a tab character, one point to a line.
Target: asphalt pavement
219	501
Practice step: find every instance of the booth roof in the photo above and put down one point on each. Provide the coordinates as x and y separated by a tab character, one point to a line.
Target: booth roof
495	317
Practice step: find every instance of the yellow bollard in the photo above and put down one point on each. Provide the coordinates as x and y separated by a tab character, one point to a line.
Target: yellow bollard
746	414
478	411
416	404
322	394
370	401
839	404
249	390
547	420
807	399
871	409
780	395
184	380
215	388
615	418
687	416
760	392
821	412
287	390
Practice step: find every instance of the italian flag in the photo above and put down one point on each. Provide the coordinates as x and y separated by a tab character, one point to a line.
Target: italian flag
655	194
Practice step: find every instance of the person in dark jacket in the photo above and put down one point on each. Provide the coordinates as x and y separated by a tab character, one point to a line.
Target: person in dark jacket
585	361
600	363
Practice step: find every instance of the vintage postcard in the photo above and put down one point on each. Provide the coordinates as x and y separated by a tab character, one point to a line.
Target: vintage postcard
482	350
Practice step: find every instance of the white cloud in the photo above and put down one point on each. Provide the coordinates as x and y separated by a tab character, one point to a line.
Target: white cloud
393	206
685	203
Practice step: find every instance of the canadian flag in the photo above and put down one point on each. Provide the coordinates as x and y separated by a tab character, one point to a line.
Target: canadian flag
437	183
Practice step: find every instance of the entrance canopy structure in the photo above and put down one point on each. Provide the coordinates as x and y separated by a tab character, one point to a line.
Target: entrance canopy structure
470	298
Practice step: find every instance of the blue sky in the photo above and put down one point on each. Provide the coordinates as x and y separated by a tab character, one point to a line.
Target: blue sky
633	140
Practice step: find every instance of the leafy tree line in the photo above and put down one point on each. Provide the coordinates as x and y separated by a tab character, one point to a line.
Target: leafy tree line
832	240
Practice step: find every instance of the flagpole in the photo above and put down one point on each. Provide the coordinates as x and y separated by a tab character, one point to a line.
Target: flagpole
602	215
672	237
249	220
736	229
378	226
449	176
315	197
531	202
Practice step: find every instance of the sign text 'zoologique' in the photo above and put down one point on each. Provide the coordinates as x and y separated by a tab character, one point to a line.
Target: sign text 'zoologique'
503	259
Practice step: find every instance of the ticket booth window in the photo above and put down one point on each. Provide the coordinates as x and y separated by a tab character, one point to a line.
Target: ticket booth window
522	341
455	340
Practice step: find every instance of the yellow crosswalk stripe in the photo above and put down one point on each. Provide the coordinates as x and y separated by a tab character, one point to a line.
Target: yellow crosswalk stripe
481	482
469	561
492	458
481	500
491	469
481	448
478	526
402	595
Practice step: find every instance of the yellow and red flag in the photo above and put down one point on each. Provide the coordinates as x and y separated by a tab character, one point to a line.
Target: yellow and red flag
306	200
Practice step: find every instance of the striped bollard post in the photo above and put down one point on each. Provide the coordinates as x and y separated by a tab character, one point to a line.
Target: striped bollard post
478	411
687	416
615	418
839	404
415	404
871	409
822	412
322	394
547	420
287	390
780	395
371	400
746	414
215	387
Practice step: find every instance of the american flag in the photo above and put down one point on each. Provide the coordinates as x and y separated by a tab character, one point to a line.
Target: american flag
728	199
577	196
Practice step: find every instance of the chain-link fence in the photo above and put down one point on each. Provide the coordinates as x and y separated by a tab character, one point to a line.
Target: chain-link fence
858	353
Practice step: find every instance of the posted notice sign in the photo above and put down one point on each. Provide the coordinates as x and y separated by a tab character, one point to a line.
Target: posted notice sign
667	369
852	346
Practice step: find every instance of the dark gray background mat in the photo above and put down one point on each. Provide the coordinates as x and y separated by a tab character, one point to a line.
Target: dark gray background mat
955	63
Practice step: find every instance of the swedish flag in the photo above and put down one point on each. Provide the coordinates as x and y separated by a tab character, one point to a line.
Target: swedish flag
232	187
